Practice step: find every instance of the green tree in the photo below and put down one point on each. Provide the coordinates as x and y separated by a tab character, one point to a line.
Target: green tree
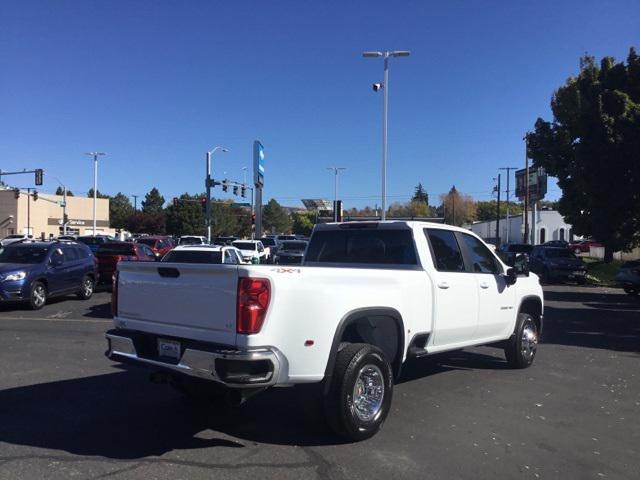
486	210
60	191
141	222
420	195
98	195
593	147
153	202
459	209
120	210
225	218
186	217
303	222
275	218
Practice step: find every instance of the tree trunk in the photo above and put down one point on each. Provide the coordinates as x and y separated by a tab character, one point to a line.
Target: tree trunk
608	254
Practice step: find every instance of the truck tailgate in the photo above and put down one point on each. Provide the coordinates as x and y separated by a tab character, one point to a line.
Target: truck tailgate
194	301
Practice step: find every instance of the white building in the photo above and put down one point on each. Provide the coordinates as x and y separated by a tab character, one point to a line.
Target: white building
547	225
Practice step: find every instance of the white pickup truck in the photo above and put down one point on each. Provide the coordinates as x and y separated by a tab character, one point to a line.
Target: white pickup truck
368	297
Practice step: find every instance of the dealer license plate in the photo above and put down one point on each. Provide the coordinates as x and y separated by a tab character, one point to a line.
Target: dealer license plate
169	348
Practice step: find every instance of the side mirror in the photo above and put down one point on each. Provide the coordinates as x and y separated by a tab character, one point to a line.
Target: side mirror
510	276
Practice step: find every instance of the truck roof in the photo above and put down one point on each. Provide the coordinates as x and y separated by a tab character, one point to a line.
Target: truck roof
387	224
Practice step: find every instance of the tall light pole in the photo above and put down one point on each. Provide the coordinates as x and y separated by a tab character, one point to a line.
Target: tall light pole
95	156
335	171
208	183
508	169
385	86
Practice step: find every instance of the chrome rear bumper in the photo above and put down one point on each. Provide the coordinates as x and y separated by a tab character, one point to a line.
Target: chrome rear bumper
233	368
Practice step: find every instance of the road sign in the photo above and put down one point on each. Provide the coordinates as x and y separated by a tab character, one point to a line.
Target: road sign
258	163
39	174
537	183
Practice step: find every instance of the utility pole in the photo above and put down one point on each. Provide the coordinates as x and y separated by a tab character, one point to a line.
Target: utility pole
28	212
135	202
453	208
208	182
526	190
498	213
508	169
335	171
64	210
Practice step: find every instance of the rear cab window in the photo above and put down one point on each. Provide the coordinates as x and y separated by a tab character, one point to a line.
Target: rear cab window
359	245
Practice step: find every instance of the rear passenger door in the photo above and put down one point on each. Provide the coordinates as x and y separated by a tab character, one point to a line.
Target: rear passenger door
455	290
75	267
496	310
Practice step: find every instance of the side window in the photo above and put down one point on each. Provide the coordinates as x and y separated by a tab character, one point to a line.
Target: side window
229	257
445	250
482	260
149	252
70	254
57	257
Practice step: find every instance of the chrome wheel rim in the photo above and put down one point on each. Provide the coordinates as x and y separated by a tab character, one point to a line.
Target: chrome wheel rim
368	393
39	296
88	287
529	341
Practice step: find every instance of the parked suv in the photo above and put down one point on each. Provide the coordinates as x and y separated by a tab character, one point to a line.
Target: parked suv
557	264
35	271
110	253
160	245
93	242
291	252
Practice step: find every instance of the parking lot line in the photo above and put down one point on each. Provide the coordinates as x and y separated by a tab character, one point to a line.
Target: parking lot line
58	319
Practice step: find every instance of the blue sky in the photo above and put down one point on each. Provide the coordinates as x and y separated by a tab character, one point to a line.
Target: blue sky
157	83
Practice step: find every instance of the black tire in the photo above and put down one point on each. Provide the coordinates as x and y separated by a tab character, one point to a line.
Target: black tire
199	391
38	296
520	349
355	362
631	290
87	288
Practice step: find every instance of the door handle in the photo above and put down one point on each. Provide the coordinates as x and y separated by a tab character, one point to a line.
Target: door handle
443	285
484	285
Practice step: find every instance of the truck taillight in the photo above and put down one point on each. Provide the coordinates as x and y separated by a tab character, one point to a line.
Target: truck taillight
114	294
253	300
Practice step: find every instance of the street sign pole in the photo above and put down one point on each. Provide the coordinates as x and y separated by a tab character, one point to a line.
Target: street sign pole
258	181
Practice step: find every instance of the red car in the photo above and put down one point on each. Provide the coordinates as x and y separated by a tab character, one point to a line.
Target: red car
160	245
583	246
110	253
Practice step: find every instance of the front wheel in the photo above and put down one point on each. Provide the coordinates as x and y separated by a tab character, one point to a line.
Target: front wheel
520	350
38	297
359	396
631	290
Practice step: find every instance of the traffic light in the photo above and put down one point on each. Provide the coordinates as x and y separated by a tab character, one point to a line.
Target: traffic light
16	192
224	186
39	175
235	190
253	219
242	192
175	201
65	219
203	204
35	195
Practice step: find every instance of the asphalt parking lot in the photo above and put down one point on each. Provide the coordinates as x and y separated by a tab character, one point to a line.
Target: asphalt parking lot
66	411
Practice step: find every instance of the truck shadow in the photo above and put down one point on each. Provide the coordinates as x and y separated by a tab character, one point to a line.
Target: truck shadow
593	319
122	415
